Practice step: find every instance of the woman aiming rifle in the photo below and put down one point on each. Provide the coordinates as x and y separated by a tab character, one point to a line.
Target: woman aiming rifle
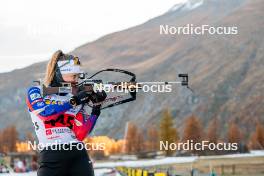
60	120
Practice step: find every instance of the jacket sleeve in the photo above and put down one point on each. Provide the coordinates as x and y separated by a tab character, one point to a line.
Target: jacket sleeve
84	124
37	105
93	117
92	120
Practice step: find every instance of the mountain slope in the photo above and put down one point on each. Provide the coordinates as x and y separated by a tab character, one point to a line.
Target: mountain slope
225	70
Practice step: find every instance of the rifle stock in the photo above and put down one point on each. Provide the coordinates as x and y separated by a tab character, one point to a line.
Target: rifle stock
65	89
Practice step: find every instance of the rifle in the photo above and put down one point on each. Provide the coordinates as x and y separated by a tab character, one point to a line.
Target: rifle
89	85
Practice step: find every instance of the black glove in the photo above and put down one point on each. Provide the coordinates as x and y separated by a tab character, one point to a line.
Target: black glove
96	110
81	98
97	97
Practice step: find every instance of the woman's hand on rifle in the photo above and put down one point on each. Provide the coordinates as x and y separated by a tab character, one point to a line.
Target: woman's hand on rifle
98	97
82	97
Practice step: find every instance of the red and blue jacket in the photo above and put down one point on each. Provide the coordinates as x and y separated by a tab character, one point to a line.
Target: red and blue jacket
56	121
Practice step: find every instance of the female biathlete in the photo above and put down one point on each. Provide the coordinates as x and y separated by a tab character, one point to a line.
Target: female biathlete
60	121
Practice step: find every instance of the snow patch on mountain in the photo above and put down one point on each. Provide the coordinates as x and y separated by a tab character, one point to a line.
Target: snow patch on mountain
186	5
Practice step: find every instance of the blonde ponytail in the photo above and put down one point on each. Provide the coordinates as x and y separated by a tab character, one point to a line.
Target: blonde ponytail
50	70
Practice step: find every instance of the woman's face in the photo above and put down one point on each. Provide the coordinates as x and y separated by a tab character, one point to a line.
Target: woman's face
70	77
